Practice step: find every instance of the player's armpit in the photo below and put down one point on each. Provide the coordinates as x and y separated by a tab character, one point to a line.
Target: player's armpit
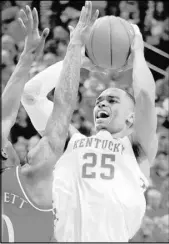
141	157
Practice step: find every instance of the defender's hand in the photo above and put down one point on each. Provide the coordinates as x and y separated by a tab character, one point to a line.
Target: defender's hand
34	43
79	34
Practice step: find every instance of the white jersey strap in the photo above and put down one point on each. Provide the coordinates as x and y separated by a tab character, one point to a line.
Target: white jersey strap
23	191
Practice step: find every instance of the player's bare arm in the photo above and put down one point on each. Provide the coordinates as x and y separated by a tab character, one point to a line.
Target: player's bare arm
35	101
144	92
44	156
34	97
11	102
12	93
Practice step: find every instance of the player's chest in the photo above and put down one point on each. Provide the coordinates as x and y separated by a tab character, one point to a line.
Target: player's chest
109	172
16	204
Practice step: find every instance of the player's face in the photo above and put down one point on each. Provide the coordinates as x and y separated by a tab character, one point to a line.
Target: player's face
5	164
112	109
6	161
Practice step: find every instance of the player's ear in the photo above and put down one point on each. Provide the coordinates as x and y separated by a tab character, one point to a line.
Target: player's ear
130	120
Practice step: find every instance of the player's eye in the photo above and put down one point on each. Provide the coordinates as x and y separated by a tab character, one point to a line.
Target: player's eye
113	101
97	102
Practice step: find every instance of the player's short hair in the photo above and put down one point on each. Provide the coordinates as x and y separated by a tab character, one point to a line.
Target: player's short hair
131	97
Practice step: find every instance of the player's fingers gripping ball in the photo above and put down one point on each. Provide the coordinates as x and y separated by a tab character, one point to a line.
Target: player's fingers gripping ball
138	42
109	43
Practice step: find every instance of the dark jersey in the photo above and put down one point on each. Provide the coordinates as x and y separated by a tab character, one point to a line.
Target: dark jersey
23	221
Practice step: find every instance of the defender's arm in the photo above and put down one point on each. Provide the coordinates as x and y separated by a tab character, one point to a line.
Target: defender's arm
43	157
34	44
12	95
34	97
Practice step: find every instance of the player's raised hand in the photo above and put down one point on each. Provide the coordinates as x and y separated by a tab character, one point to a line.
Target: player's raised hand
138	43
34	42
80	33
89	65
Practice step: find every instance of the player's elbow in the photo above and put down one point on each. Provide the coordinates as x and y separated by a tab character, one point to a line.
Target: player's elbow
30	94
28	98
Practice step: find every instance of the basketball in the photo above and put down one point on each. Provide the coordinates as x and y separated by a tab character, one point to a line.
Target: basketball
108	45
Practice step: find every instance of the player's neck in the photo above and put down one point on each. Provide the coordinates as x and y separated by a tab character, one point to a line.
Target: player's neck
120	134
123	133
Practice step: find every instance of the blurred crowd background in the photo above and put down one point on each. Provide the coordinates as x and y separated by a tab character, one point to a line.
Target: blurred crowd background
153	19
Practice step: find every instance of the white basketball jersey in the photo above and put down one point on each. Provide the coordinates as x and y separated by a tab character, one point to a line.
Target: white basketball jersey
98	193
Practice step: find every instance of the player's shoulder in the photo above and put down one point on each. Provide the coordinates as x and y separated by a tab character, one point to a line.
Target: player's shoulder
136	146
10	177
9	173
9	180
75	137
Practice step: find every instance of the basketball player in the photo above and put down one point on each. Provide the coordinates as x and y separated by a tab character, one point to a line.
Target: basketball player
27	190
99	182
98	187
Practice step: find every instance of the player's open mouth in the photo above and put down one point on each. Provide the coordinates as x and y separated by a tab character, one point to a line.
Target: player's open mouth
102	115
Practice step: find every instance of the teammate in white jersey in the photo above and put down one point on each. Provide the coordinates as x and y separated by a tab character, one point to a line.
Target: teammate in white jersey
99	182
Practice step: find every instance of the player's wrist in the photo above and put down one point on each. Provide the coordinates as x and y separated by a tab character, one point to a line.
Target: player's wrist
138	53
26	56
75	42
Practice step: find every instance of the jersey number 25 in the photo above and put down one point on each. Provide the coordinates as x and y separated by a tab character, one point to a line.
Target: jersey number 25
106	164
